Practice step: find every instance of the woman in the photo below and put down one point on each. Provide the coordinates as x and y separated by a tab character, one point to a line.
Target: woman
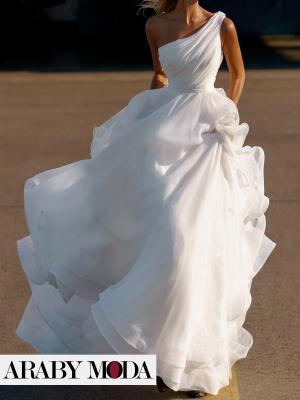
151	245
179	19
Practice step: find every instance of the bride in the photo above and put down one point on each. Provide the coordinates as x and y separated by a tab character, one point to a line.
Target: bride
150	246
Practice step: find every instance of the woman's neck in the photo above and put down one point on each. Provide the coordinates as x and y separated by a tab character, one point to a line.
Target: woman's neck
188	10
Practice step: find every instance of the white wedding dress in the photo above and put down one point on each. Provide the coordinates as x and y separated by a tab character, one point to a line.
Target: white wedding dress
151	245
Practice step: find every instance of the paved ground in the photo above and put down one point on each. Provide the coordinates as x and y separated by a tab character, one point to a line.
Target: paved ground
47	120
105	393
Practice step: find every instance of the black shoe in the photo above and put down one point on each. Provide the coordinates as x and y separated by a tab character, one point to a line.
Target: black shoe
195	394
162	387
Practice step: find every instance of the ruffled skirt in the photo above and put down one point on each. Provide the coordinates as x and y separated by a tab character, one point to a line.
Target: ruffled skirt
151	245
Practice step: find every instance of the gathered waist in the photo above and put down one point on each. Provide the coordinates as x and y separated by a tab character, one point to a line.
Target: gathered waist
204	87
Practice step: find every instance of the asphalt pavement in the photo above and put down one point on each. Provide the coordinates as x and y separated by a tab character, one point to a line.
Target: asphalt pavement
47	121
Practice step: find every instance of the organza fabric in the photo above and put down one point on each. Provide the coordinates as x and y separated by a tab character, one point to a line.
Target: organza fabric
151	245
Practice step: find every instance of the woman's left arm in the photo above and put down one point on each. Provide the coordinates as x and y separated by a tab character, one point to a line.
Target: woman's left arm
234	59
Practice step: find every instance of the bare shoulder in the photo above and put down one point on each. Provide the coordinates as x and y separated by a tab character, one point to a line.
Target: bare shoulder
152	24
155	25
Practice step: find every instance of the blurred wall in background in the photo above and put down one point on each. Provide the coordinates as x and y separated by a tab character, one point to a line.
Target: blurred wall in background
255	17
91	34
67	11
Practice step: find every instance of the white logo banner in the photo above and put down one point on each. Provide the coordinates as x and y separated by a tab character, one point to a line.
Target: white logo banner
78	369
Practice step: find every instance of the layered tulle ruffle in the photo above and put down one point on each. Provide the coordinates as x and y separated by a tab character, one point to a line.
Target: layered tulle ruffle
151	245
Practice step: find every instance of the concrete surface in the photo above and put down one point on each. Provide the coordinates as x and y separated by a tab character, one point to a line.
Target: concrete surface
47	120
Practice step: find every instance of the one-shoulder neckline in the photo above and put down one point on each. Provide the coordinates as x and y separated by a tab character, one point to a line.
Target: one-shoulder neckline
192	35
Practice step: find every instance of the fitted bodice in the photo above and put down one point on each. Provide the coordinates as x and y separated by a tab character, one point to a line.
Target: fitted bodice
192	63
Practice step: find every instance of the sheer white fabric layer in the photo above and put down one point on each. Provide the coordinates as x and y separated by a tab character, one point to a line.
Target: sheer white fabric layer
151	245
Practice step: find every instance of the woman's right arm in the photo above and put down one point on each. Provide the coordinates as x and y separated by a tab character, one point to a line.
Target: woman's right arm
160	78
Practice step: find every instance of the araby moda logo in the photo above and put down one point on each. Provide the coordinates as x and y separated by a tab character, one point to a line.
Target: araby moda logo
117	369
